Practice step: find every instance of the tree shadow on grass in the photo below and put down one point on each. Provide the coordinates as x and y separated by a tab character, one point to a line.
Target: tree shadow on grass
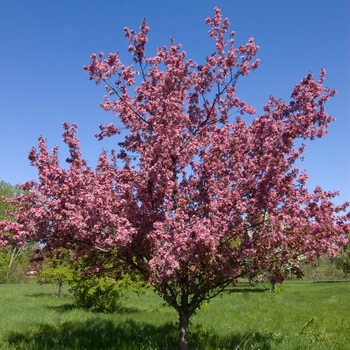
64	308
38	295
105	335
332	281
246	290
48	294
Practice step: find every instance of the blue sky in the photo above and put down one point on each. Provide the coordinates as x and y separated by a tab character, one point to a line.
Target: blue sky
44	45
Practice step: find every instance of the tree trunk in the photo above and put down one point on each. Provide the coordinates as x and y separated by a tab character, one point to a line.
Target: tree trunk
59	294
184	319
14	254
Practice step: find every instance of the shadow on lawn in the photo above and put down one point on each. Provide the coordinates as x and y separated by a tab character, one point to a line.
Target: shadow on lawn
104	334
69	307
332	281
38	295
48	294
246	290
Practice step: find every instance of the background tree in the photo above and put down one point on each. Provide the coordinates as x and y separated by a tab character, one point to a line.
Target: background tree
9	271
184	201
101	289
342	260
322	268
56	269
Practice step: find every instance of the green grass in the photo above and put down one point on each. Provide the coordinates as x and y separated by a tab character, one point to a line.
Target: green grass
300	315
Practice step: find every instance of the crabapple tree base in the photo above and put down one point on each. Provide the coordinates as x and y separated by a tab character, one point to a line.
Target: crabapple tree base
194	197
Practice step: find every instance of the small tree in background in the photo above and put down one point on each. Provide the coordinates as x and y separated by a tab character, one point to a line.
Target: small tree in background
97	289
184	201
56	269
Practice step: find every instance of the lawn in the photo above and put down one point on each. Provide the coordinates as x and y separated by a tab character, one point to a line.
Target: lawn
299	315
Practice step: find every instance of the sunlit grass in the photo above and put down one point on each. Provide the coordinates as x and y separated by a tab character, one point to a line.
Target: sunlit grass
300	315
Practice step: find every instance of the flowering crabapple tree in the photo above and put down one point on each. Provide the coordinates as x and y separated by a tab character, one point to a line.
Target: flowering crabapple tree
184	200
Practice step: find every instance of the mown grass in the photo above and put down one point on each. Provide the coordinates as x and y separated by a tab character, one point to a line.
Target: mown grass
300	315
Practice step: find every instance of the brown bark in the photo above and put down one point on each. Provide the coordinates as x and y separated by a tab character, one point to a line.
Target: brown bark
184	319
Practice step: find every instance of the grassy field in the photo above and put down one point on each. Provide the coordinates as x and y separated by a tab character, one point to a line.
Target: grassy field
300	315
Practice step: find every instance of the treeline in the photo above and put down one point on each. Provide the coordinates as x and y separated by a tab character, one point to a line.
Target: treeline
326	269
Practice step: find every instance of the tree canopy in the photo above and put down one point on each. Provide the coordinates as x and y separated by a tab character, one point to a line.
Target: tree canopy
195	197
